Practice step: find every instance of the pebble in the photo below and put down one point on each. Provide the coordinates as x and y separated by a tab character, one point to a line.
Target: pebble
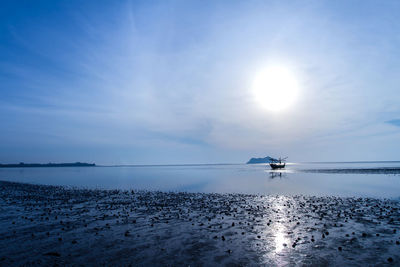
56	254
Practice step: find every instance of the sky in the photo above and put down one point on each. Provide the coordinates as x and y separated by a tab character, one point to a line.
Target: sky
169	82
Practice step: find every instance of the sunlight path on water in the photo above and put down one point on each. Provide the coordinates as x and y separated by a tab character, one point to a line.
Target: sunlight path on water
280	230
281	241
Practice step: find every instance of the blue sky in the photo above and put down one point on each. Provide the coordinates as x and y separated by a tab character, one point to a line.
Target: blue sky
157	82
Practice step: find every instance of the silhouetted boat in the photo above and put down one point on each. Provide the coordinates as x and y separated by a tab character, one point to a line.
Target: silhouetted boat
278	164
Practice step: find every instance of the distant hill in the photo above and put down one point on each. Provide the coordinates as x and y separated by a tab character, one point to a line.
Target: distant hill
260	160
28	165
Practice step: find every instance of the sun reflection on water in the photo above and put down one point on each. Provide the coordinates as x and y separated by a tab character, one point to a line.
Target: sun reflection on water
280	239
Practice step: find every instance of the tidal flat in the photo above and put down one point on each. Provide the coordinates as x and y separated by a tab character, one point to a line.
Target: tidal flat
55	225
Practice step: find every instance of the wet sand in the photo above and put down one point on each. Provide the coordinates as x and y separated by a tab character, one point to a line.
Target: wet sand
50	225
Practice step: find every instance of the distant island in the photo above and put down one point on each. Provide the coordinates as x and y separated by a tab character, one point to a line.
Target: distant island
260	160
29	165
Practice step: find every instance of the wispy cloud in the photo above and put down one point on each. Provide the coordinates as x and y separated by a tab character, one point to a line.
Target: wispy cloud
395	122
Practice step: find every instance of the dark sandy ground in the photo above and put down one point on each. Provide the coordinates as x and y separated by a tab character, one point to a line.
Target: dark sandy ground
48	225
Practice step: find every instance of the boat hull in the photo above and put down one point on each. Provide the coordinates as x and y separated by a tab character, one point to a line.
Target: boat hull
275	166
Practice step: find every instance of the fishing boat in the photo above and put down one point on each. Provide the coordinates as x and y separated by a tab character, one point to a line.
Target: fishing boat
278	163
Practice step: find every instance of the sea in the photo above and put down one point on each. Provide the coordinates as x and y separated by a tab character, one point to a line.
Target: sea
346	179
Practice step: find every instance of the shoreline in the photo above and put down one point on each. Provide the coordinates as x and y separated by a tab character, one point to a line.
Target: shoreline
47	225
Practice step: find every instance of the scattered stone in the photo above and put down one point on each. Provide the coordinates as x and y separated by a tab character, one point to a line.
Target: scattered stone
55	254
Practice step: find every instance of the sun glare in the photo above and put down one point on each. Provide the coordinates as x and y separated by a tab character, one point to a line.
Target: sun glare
275	88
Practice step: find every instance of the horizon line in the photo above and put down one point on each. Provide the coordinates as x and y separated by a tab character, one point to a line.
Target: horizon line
241	163
209	164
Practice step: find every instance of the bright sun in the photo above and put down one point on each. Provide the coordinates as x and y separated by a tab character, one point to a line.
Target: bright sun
275	88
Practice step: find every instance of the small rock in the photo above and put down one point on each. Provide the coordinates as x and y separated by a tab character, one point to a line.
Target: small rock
56	254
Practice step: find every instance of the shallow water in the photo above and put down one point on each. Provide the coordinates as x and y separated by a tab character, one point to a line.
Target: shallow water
368	179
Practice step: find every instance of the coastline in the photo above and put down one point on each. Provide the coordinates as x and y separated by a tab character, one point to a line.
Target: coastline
47	165
48	225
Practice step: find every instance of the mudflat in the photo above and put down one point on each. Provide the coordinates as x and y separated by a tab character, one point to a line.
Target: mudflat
49	225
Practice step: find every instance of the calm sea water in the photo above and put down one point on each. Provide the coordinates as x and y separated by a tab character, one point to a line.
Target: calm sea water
368	179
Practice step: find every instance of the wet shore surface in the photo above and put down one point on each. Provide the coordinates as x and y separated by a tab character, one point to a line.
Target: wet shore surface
380	170
51	225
